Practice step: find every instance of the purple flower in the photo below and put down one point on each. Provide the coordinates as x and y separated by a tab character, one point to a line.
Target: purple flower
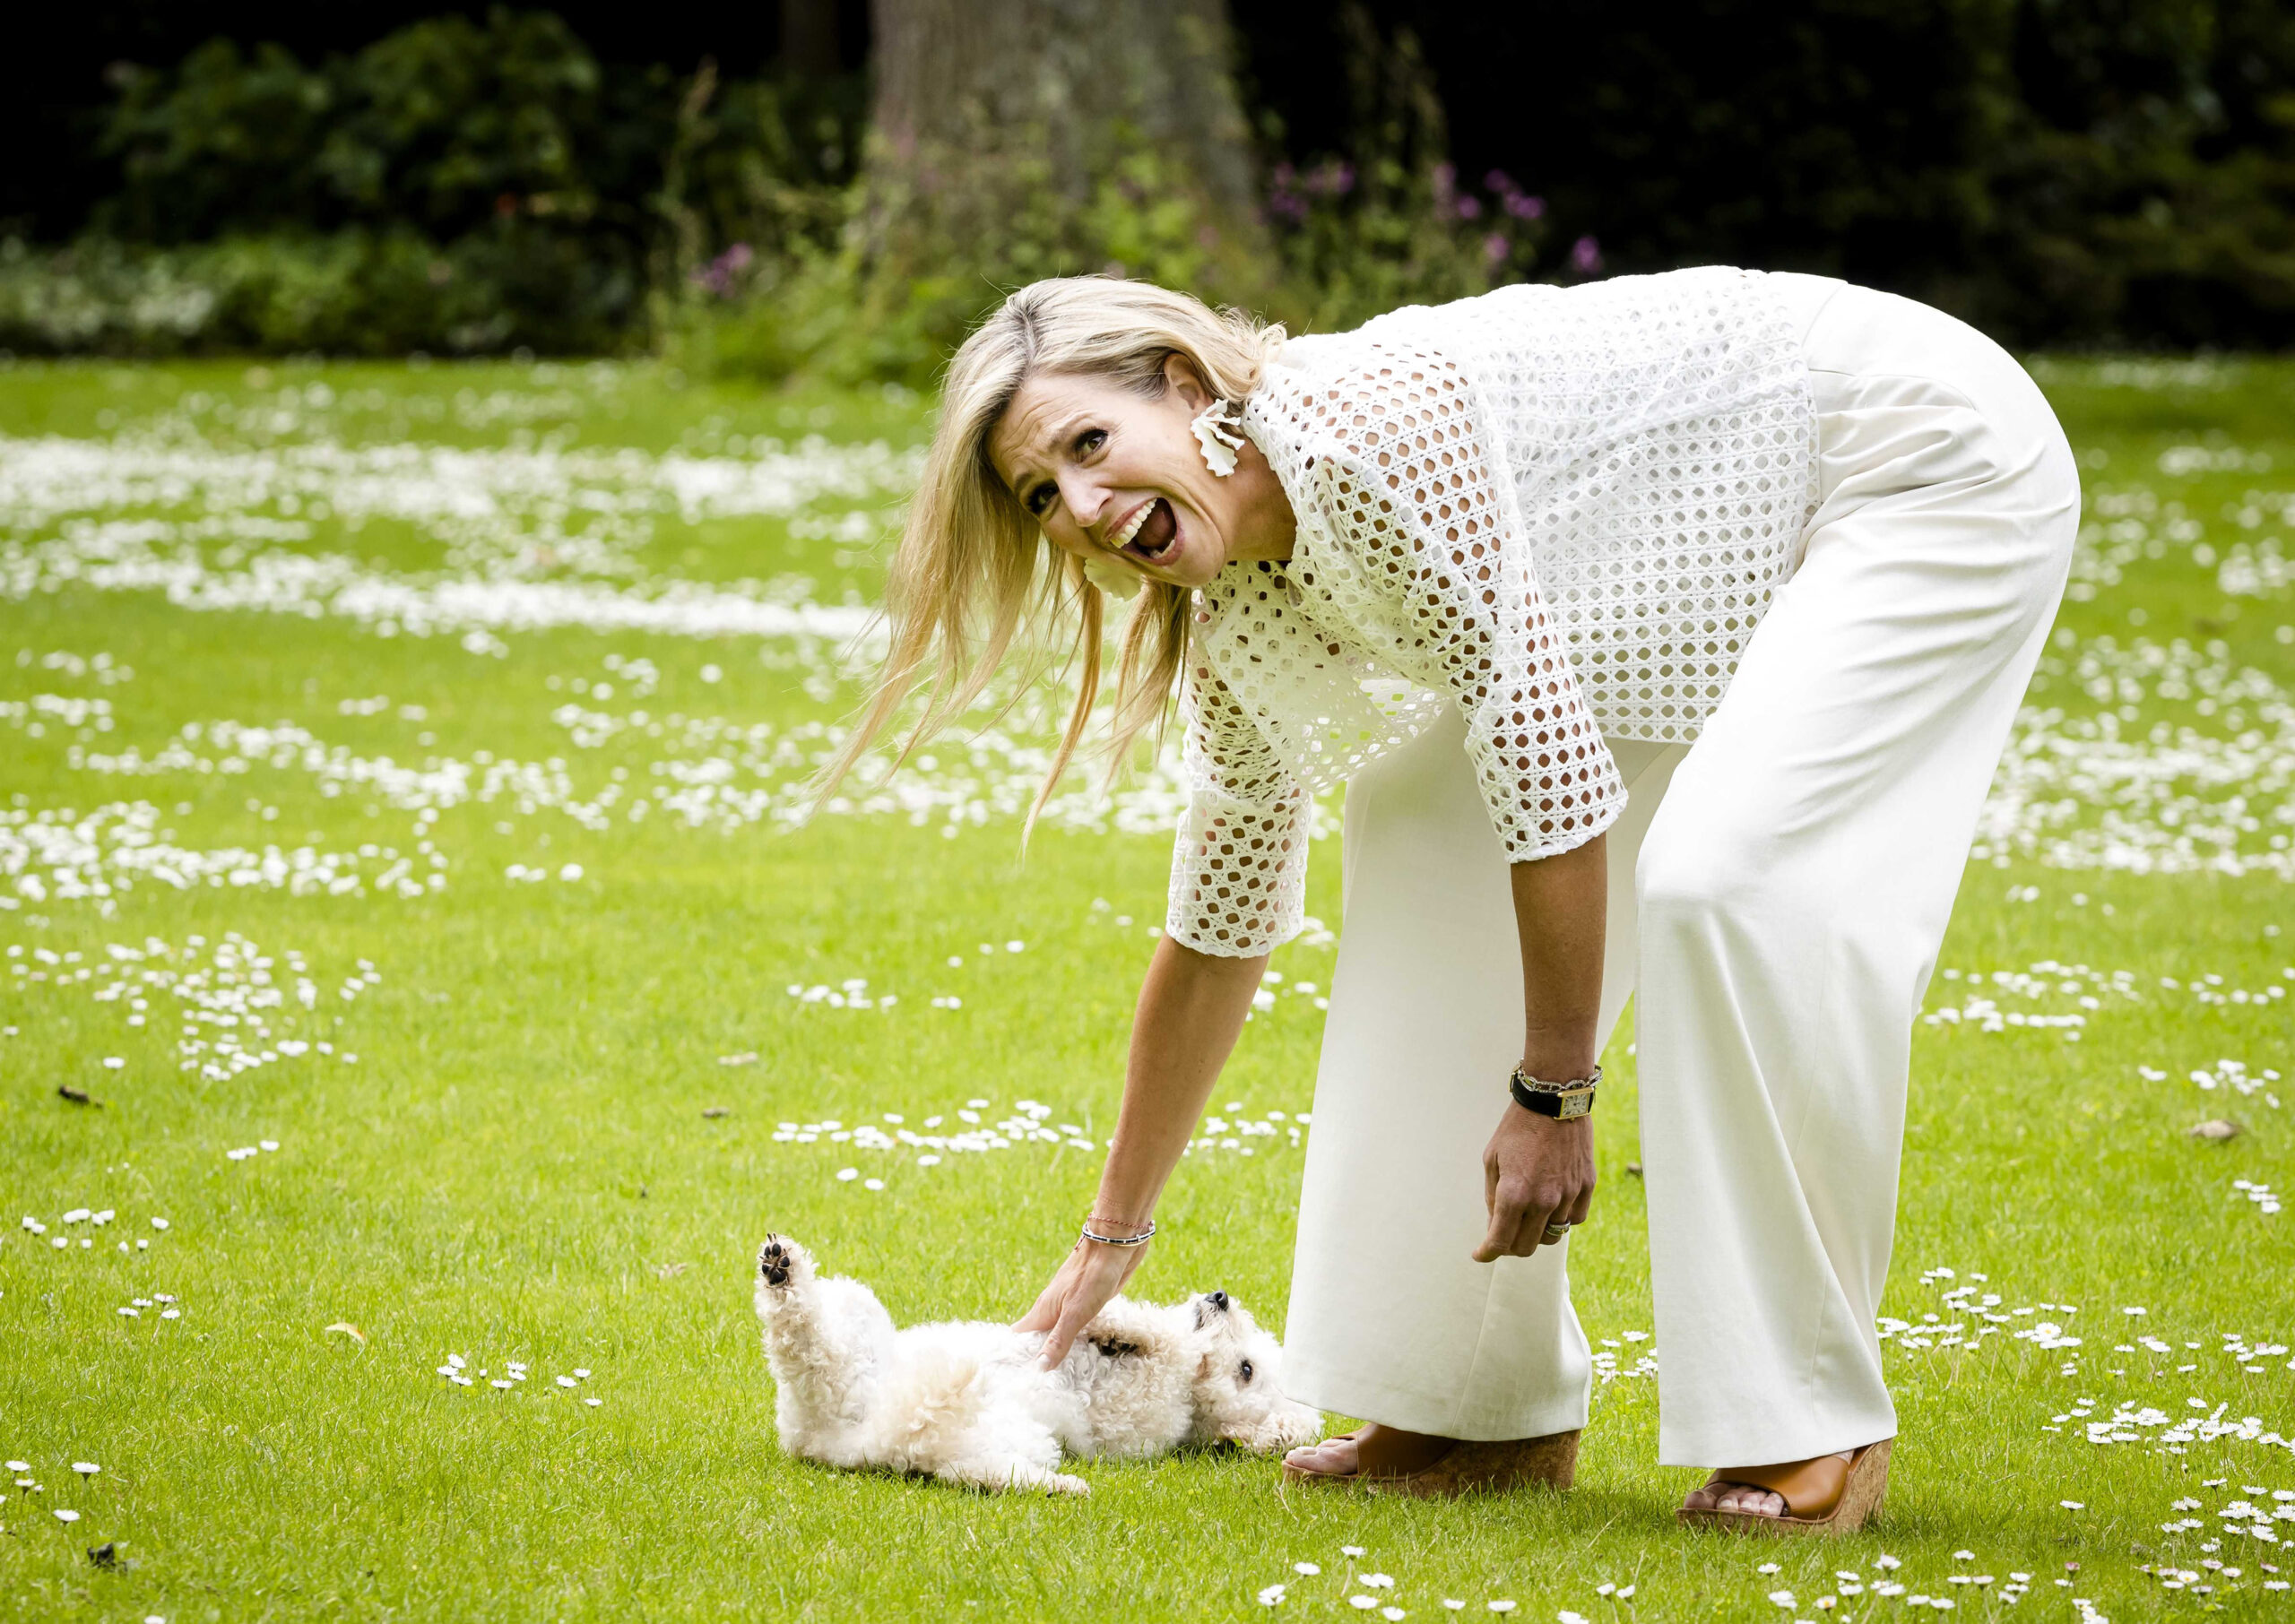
1290	205
1469	208
722	274
1499	181
1585	256
1494	250
1524	208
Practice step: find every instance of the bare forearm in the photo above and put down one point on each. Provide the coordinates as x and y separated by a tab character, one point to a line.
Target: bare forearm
1561	909
1538	1170
1192	1008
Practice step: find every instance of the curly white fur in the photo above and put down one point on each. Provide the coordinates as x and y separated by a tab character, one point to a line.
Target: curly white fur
969	1402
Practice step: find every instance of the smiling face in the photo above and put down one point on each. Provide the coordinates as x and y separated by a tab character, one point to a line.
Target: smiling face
1116	476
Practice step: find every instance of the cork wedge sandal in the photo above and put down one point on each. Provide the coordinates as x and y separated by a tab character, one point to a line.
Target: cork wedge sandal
1465	1468
1827	1495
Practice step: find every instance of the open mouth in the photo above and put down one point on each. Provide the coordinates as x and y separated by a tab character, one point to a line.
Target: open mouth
1150	535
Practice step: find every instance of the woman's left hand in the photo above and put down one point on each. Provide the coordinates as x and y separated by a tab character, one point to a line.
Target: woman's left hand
1536	1170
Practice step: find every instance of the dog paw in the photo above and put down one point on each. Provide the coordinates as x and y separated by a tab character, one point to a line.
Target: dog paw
1060	1482
781	1260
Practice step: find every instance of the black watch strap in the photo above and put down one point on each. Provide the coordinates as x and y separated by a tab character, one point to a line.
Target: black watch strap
1564	1104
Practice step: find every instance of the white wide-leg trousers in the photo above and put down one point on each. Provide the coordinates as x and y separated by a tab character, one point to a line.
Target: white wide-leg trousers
1778	893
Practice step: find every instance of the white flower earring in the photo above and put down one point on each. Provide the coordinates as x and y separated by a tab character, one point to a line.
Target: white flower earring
1217	431
1116	583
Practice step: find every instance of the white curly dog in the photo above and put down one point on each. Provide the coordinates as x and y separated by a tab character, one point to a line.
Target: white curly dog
969	1401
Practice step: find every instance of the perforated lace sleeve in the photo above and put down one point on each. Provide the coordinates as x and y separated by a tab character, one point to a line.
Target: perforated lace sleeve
1423	550
1239	868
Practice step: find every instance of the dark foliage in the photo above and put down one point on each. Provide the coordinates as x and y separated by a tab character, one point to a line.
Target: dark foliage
2062	171
460	184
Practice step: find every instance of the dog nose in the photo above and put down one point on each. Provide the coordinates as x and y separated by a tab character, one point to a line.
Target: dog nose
1219	1301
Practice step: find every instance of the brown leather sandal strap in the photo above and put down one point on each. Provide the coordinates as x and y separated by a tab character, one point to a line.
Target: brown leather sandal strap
1811	1490
1374	1472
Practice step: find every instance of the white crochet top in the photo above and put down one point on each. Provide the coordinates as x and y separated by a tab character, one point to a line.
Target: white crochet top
1562	510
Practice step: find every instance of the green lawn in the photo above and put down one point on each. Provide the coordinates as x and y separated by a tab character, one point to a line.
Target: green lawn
451	719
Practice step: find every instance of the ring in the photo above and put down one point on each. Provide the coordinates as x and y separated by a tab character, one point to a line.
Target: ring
1556	1232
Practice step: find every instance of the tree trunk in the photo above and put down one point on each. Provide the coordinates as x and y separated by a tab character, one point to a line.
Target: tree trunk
1068	128
808	38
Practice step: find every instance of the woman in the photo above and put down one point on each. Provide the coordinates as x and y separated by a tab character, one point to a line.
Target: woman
1666	631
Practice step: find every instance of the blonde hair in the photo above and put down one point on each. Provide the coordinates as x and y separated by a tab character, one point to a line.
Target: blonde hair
966	574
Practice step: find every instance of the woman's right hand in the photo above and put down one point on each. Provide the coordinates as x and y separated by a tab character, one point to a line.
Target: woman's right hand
1192	1008
1090	1275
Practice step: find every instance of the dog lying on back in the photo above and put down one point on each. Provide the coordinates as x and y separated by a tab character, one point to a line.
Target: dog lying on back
968	1401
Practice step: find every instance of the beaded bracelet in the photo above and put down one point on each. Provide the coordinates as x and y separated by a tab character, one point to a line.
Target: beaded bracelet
1139	1240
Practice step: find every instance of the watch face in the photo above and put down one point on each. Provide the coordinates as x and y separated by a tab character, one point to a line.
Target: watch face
1577	1102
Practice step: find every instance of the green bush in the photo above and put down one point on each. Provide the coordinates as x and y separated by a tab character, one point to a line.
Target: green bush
894	279
1387	223
348	293
2060	171
457	186
437	127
